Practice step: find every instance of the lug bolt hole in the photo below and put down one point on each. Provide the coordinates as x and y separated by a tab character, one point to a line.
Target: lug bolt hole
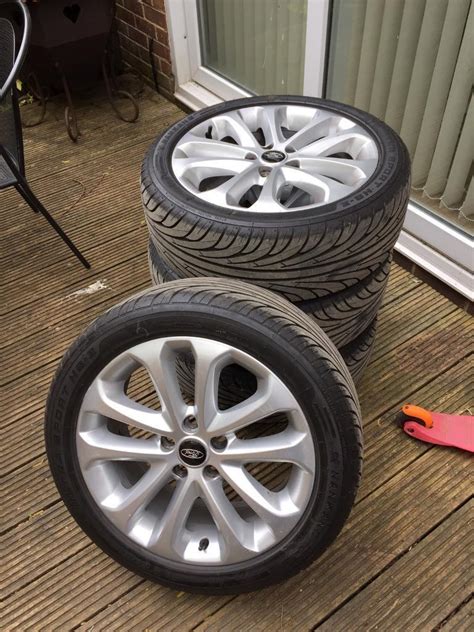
219	443
203	544
264	171
180	471
190	423
210	472
167	443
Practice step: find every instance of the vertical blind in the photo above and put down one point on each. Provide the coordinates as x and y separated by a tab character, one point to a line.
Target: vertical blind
409	62
258	44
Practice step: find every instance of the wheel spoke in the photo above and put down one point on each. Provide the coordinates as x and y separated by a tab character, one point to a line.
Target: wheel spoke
236	534
317	127
124	503
232	191
266	504
288	446
271	124
210	358
267	201
321	189
102	445
232	124
108	399
350	172
159	359
193	146
350	142
169	530
271	397
197	169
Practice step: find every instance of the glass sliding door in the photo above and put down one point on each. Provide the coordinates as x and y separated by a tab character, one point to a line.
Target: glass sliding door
410	63
259	45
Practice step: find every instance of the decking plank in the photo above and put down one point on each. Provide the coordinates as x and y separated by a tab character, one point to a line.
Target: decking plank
62	313
381	528
70	276
102	133
412	594
461	618
52	311
69	195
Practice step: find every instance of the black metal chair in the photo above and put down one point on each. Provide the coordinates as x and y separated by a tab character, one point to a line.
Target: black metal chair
12	165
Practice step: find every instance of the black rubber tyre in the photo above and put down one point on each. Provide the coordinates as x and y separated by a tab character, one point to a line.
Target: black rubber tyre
357	353
235	383
301	254
274	332
344	316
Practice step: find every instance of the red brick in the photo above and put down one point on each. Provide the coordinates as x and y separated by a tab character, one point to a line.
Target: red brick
162	36
122	27
130	45
155	17
144	54
137	21
165	67
125	16
134	5
165	81
138	36
157	4
162	51
145	27
138	64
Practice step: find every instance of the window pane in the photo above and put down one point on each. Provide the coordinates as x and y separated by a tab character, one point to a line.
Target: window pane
258	45
409	64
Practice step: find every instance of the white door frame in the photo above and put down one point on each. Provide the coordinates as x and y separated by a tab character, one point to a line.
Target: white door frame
198	87
425	239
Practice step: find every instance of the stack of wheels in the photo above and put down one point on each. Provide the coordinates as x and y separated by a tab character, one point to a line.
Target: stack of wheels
181	488
305	197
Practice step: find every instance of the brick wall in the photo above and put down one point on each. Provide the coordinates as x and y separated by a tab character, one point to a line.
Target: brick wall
137	22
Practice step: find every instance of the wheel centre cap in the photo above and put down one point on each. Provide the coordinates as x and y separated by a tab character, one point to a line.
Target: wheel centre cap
273	155
193	453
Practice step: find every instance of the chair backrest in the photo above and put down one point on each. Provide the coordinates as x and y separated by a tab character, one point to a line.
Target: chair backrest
10	130
11	139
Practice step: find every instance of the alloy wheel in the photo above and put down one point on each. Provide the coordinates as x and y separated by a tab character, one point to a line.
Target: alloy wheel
269	158
188	480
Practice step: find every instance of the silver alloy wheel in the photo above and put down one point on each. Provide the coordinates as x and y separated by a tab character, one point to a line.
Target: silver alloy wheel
186	492
269	158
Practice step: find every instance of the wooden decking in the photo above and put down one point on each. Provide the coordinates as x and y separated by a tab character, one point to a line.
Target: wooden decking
401	562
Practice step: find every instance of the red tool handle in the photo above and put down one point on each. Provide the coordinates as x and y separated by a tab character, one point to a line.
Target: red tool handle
439	428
